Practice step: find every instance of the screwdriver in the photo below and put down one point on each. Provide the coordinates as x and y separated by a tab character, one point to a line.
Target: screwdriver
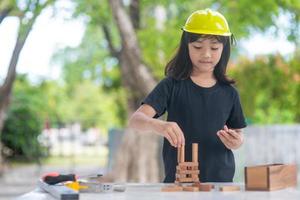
54	178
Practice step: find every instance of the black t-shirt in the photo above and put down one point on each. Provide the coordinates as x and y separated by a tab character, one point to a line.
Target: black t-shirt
200	112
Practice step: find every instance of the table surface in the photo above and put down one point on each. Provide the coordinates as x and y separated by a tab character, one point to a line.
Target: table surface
139	191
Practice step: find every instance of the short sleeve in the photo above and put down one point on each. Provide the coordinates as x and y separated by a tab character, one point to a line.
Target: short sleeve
159	96
236	118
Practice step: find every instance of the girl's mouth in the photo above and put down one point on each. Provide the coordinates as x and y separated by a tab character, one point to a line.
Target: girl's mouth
205	62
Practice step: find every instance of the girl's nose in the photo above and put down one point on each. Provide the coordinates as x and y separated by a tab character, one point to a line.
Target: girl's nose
207	53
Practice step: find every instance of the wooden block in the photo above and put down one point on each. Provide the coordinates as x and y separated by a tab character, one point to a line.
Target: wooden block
270	177
173	188
180	171
182	154
185	180
196	184
177	184
194	175
205	187
204	184
195	152
229	188
181	176
195	180
187	168
190	189
178	154
181	167
188	164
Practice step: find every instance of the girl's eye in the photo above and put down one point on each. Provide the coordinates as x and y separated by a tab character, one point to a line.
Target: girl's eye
214	49
197	47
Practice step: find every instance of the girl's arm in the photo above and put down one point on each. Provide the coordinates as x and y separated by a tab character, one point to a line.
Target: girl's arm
143	120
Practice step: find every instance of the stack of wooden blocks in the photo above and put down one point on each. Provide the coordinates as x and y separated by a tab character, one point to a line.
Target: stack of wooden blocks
187	172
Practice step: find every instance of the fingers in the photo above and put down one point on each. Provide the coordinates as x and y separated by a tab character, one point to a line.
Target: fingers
225	128
230	138
173	137
169	139
227	135
234	134
173	134
225	138
224	141
180	135
224	133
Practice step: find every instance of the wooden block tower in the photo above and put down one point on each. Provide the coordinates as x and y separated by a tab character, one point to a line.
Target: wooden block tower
187	172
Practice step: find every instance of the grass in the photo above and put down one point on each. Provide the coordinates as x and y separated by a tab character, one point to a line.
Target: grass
76	160
89	155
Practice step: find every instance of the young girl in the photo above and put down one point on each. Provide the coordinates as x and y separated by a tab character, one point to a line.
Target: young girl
203	107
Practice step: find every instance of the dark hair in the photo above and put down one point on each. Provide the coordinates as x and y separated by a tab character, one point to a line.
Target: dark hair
180	66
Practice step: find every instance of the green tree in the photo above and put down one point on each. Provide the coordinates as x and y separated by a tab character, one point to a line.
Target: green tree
92	77
293	67
267	89
26	11
93	107
24	121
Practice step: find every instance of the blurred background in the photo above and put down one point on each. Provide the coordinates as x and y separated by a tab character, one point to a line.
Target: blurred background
73	71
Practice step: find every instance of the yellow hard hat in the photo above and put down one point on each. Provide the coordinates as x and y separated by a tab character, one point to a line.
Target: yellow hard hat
207	22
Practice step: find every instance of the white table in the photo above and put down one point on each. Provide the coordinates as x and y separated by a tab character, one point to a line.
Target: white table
136	191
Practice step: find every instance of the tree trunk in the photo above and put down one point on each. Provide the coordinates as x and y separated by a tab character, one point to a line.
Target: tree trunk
4	13
138	157
6	88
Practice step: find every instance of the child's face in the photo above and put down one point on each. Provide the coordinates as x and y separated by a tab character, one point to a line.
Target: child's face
205	54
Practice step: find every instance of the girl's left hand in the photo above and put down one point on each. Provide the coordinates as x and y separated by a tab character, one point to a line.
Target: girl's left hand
231	138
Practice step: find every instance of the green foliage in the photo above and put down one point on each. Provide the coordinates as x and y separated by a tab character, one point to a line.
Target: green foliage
92	82
89	61
294	74
34	104
93	107
269	89
246	17
22	126
48	96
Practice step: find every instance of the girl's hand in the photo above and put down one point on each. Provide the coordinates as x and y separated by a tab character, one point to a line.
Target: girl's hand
231	138
171	131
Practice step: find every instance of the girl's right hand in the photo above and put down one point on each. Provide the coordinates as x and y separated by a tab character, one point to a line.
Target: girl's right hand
171	131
